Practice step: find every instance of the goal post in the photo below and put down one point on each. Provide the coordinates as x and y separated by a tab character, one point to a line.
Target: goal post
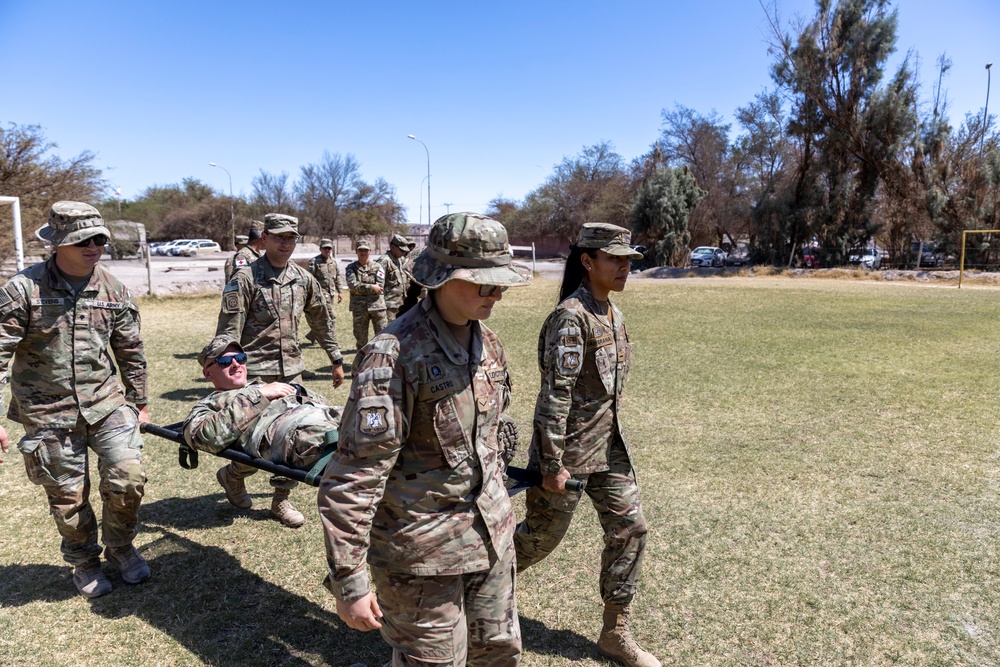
15	203
961	261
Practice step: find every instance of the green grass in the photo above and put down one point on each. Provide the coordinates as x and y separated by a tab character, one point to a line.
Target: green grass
819	470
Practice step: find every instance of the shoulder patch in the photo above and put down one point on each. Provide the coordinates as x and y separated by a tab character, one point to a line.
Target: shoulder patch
241	262
231	298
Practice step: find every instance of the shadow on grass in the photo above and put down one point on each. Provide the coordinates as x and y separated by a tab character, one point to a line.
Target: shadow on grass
537	638
187	395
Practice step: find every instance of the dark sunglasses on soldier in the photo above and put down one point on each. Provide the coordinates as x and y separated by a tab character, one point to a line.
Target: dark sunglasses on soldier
490	290
100	240
226	359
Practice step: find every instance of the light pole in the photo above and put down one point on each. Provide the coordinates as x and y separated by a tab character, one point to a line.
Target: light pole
447	207
232	215
410	136
986	109
118	194
421	207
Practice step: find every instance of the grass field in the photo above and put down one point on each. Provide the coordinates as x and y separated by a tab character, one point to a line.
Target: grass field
819	469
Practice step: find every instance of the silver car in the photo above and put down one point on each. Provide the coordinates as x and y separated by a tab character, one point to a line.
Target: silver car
708	256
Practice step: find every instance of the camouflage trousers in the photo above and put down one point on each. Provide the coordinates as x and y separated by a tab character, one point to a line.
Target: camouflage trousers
615	496
331	298
361	320
390	314
451	621
57	460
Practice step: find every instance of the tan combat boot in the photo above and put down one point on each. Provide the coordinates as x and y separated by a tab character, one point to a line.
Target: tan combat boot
616	640
89	579
236	490
133	567
283	508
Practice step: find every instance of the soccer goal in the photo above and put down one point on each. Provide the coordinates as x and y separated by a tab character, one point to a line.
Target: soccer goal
984	254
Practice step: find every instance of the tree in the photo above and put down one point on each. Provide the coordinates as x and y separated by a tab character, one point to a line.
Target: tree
850	130
323	191
30	170
271	194
659	216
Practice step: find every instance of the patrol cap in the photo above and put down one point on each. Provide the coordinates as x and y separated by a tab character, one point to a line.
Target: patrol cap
612	239
363	244
242	239
256	228
279	223
71	222
325	243
470	247
400	242
215	348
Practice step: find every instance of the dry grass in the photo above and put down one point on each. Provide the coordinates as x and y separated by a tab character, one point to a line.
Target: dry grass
819	471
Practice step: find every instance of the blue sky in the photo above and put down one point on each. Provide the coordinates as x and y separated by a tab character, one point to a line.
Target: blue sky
499	92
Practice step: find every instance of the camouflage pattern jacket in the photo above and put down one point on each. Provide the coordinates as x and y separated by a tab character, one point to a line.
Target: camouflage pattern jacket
396	281
261	308
584	359
241	259
361	280
416	485
326	273
243	417
62	369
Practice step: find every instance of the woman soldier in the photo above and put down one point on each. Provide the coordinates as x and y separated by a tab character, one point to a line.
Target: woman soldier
416	487
584	355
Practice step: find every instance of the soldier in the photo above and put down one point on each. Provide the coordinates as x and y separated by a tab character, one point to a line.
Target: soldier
416	485
58	319
277	421
241	242
366	281
584	354
324	269
261	308
248	253
396	280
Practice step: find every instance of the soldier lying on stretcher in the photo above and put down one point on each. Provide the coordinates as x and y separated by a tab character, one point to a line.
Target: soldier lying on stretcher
280	422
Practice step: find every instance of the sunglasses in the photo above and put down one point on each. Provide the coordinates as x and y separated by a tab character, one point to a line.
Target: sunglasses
226	359
100	240
490	290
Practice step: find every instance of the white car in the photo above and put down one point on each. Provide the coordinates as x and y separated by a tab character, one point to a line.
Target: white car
868	258
708	256
200	248
165	248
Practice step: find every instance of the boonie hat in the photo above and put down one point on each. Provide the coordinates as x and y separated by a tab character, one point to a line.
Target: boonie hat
215	348
325	243
279	223
612	239
71	222
470	247
363	244
400	242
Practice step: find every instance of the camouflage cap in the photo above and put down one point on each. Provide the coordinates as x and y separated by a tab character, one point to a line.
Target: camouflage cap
242	239
363	244
215	348
257	225
400	242
470	247
612	239
71	222
279	223
325	243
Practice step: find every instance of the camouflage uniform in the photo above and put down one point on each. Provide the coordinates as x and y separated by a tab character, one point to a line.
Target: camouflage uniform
67	396
396	280
240	260
261	309
290	430
241	242
584	356
416	487
327	274
366	306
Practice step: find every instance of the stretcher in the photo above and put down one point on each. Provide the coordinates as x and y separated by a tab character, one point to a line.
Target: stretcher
518	479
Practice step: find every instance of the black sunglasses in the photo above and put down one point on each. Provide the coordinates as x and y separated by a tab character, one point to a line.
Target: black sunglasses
226	359
100	240
490	290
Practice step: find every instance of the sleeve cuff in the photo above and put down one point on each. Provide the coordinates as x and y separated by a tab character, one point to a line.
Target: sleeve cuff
351	587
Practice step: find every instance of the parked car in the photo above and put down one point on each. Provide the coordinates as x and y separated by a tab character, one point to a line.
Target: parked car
738	258
165	248
867	258
200	248
708	256
181	246
640	264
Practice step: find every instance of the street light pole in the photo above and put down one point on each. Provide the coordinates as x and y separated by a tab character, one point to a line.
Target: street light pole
447	207
421	207
118	194
232	215
986	109
410	136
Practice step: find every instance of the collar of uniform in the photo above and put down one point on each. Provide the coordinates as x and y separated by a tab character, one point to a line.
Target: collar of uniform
273	274
57	281
590	302
442	334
